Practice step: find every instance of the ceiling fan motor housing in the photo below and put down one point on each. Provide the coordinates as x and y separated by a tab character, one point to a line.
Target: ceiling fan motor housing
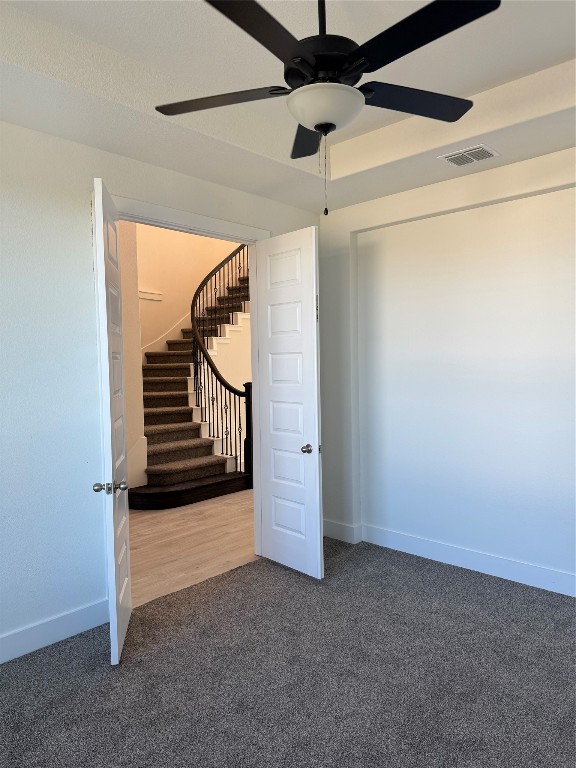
322	58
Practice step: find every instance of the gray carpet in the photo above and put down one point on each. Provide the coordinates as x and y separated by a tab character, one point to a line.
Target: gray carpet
392	661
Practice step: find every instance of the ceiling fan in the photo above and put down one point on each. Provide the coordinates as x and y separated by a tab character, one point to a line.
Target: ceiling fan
321	71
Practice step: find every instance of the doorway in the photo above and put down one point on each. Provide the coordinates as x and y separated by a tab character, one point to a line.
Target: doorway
172	443
286	469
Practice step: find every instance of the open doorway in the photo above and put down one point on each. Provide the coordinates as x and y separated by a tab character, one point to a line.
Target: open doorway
191	507
287	486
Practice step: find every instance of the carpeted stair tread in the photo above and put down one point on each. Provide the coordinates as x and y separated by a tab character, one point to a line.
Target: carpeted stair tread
226	300
175	345
183	464
167	410
179	414
165	384
158	395
178	445
163	370
185	470
166	379
166	399
217	309
168	432
179	356
147	497
179	450
159	429
219	478
165	355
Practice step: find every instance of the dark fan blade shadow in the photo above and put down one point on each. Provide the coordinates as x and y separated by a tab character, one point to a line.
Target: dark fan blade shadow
222	100
415	102
259	24
306	143
435	20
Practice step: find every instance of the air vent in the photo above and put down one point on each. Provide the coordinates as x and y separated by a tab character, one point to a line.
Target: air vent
470	155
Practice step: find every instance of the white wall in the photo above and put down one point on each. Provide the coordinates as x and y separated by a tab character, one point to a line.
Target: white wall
231	352
355	499
172	264
52	560
466	335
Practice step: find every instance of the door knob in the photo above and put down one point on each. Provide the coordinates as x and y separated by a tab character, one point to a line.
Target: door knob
97	487
306	448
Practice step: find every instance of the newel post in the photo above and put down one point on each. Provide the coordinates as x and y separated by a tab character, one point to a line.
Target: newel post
248	438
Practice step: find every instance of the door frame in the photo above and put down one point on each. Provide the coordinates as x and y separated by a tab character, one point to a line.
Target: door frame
154	215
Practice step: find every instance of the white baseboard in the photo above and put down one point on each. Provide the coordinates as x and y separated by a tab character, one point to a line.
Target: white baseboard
514	570
35	636
351	534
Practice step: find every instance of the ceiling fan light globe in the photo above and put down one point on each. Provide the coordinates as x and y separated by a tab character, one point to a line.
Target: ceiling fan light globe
324	103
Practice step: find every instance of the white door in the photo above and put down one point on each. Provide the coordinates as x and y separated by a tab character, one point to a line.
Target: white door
107	271
287	487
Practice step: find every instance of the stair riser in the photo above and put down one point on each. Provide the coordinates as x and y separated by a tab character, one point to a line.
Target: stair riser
222	313
210	330
163	357
187	453
184	476
218	310
158	400
234	290
225	301
166	418
170	437
176	345
213	323
167	386
162	372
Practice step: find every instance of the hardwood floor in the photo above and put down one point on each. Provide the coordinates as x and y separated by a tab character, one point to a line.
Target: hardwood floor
174	548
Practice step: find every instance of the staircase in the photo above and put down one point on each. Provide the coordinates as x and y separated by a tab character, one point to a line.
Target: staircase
195	451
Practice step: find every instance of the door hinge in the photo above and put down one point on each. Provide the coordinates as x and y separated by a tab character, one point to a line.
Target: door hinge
319	449
316	307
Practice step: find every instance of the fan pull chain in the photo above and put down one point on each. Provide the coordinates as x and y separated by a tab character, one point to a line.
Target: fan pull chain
325	181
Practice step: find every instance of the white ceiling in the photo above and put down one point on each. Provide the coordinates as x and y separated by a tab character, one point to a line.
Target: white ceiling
107	64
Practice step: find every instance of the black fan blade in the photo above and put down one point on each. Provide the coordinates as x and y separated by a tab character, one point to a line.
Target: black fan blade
306	143
422	27
260	25
222	100
415	102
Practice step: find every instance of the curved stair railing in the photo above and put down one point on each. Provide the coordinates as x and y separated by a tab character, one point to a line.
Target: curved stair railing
226	409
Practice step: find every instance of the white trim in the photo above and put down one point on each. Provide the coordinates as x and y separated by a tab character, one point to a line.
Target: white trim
351	534
494	565
52	630
257	496
186	221
355	441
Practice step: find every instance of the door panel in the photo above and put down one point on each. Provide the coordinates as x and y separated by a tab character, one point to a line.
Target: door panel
107	267
289	495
